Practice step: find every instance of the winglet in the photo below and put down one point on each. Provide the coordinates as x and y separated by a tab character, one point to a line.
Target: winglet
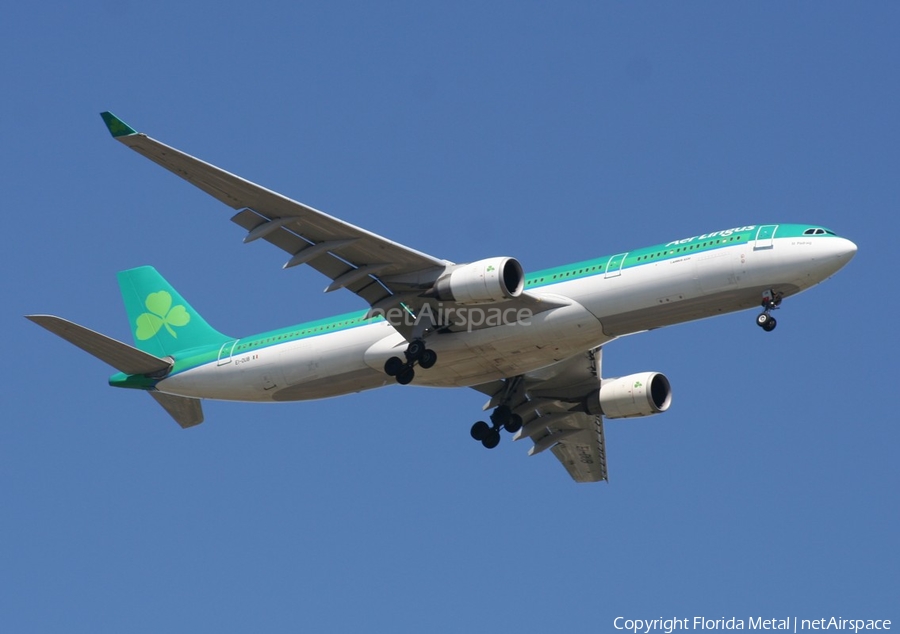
116	126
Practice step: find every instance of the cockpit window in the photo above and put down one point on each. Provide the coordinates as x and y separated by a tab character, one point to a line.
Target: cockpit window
809	232
816	232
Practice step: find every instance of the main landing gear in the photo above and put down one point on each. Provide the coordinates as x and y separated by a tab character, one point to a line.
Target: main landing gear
502	417
770	301
415	353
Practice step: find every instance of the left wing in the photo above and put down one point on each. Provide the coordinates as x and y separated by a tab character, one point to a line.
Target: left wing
551	404
353	258
387	275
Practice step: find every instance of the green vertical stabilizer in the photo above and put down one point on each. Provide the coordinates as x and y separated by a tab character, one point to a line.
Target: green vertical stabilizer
162	322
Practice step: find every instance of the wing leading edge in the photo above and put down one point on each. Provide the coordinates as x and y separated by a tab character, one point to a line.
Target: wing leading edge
353	258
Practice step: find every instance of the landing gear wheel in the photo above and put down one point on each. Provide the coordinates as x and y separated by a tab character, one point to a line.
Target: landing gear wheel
514	423
480	430
393	366
406	375
415	350
427	359
766	322
491	440
501	418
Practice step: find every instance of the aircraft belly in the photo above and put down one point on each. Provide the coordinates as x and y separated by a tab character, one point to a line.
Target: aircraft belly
353	361
716	303
329	365
652	289
695	286
225	382
731	282
470	358
346	382
283	371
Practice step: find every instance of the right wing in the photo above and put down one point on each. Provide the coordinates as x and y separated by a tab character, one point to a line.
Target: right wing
583	454
550	402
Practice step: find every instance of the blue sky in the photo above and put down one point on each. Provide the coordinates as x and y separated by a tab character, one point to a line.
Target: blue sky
465	130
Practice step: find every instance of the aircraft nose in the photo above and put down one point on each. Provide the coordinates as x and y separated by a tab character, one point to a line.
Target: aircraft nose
845	248
838	252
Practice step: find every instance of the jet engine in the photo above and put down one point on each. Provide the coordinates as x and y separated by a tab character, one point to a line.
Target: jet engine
486	281
642	394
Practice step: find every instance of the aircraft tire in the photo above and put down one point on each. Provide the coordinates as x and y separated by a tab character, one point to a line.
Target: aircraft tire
415	350
393	366
491	440
428	359
406	376
514	423
480	430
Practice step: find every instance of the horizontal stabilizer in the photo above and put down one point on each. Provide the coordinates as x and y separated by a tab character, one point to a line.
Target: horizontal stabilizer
187	412
119	355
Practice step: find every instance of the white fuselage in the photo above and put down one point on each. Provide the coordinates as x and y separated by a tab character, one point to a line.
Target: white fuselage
601	307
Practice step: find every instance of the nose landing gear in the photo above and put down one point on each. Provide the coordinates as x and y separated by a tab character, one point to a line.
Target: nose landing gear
501	418
415	352
770	301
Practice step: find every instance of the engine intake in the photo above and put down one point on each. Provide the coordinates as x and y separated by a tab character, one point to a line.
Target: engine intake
486	281
642	394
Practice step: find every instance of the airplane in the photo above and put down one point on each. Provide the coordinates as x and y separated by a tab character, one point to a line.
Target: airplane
531	342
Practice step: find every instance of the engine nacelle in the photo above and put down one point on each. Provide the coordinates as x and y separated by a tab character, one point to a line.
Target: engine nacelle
642	394
482	282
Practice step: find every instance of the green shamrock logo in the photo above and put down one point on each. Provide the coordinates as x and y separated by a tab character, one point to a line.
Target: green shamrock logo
490	268
161	313
637	384
117	128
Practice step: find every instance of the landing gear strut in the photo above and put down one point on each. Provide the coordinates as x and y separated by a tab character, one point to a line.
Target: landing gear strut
770	301
502	417
415	352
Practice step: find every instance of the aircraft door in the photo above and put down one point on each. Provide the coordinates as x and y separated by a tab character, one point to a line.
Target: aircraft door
614	266
226	351
765	237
